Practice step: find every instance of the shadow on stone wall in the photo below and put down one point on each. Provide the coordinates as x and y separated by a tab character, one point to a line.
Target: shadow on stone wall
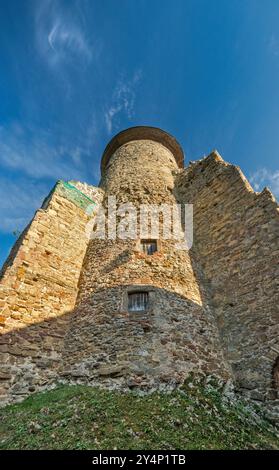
256	375
275	378
101	343
31	357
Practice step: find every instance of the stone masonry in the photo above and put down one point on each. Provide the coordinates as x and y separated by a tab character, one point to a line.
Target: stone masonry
38	290
211	310
236	237
178	334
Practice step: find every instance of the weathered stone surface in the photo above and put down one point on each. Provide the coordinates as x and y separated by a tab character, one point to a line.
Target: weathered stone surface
38	289
213	310
179	333
112	371
236	241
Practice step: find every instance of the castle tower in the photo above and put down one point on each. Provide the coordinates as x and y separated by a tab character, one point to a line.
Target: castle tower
140	311
142	319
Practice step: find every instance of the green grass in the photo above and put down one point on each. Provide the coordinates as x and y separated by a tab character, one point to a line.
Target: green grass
81	417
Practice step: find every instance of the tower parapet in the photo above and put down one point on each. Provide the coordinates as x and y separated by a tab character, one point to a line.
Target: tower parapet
143	133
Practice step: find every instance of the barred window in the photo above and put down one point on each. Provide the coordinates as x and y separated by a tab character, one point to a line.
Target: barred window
148	246
137	301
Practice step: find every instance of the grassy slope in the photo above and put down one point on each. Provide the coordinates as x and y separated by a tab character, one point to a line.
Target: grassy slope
80	417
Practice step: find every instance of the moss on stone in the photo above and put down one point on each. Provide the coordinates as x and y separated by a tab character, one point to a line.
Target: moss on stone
73	194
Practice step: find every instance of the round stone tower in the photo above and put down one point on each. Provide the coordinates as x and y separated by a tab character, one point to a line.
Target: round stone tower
142	318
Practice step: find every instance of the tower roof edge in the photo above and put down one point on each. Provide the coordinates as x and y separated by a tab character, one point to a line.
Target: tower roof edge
143	133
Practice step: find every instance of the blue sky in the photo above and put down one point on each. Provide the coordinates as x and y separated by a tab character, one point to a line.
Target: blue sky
74	73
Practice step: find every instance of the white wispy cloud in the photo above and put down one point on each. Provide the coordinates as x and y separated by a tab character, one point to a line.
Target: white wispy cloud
18	202
273	45
36	160
60	38
264	177
32	152
123	100
64	39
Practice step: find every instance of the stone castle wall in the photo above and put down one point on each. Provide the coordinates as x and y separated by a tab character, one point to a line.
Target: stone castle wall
236	237
38	290
64	301
106	343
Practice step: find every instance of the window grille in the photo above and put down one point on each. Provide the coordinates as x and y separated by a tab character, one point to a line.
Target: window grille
137	301
148	246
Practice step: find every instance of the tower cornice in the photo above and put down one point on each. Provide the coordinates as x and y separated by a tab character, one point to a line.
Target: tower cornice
143	133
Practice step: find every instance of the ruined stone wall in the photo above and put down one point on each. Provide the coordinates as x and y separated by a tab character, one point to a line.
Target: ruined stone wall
38	291
106	343
64	301
236	237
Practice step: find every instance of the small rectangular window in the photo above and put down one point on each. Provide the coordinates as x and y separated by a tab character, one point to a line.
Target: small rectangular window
148	246
137	301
